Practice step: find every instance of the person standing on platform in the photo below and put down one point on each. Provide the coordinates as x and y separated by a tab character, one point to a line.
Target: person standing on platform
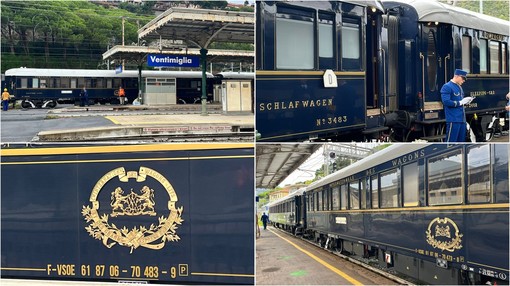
265	219
453	100
5	99
84	97
122	95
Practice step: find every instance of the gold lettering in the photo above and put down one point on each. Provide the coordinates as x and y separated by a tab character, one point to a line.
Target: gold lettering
330	101
324	102
261	107
297	103
65	269
283	105
276	105
291	106
269	106
305	103
48	269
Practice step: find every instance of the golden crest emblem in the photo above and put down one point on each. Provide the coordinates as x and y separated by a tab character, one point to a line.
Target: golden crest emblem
132	204
444	234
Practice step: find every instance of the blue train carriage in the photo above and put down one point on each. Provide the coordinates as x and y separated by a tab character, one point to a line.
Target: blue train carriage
433	212
426	41
174	213
40	88
288	213
317	90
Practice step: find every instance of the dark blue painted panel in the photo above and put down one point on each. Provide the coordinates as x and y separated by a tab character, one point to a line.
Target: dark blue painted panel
47	220
296	108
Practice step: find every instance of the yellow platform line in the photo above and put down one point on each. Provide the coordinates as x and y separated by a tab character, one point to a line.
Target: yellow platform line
327	265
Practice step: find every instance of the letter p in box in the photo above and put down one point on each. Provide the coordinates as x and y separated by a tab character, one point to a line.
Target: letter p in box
159	60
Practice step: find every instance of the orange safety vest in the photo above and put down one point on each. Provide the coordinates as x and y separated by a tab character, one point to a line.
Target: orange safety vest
121	92
5	95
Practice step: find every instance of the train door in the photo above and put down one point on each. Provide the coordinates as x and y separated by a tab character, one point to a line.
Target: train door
376	71
433	56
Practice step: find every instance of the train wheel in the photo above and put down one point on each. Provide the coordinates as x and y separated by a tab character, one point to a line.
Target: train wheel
25	104
489	134
52	104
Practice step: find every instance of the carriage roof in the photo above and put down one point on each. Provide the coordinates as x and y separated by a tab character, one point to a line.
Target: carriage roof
380	157
433	11
34	72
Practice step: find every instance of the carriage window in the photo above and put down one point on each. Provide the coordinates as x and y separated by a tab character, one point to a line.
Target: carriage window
445	179
504	59
43	83
73	83
500	179
109	83
81	82
117	82
35	82
287	55
494	54
343	196
325	194
411	182
375	192
56	83
336	198
100	83
326	40
351	48
479	179
319	201
390	188
24	83
363	194
483	56
432	61
466	53
354	195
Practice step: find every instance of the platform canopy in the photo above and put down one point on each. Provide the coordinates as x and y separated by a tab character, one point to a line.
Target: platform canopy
138	53
201	27
275	162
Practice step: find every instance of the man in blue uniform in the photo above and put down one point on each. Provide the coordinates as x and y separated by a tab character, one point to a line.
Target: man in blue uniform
453	99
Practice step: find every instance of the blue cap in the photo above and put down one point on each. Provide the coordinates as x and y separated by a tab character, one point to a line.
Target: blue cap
460	72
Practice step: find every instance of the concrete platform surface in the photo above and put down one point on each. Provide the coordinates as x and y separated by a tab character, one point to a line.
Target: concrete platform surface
282	259
239	120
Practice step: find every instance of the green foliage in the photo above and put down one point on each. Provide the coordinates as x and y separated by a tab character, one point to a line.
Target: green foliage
58	33
498	9
75	34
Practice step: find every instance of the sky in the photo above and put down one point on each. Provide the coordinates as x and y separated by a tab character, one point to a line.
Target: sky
307	170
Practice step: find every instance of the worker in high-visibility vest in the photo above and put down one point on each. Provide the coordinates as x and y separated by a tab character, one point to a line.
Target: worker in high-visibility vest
5	99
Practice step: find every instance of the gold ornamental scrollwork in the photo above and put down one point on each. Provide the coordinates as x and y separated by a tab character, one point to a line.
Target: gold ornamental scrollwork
444	234
135	203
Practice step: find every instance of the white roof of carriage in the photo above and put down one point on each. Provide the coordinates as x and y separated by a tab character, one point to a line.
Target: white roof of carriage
433	11
375	159
32	72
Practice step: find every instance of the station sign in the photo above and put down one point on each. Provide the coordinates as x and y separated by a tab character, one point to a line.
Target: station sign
160	60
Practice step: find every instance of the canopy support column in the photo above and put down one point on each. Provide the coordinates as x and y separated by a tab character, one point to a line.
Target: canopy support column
203	63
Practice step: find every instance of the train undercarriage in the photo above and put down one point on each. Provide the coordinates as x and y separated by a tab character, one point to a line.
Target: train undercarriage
408	267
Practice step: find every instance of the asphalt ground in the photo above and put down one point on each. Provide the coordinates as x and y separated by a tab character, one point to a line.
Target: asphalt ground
283	259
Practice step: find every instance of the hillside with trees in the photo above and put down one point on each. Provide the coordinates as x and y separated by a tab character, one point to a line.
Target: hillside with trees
75	34
498	9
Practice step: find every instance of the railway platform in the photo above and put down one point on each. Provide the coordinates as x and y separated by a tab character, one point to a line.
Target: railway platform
177	121
286	260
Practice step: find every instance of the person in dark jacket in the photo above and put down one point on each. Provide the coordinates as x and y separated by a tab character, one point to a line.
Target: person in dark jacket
453	100
84	97
265	219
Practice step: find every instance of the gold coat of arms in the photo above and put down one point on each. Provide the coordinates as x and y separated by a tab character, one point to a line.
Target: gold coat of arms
135	203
